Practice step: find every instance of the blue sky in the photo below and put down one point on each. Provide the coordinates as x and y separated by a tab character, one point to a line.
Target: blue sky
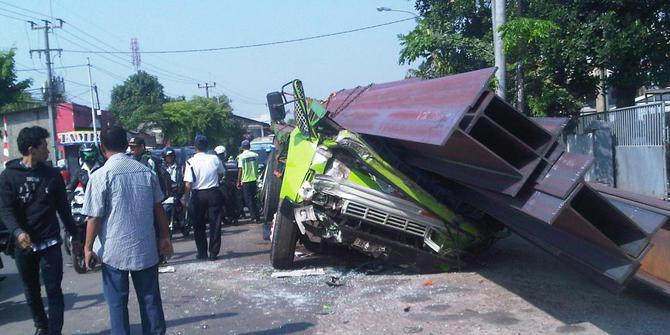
245	75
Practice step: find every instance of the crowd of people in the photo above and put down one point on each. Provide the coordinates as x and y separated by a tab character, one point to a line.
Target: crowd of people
127	232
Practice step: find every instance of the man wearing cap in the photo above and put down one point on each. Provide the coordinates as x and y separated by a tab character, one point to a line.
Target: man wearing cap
247	175
201	178
170	165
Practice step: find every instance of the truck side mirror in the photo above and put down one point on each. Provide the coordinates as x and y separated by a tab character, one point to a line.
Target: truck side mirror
276	106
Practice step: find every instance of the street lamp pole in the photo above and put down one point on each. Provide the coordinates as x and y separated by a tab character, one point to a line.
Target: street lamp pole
498	16
386	9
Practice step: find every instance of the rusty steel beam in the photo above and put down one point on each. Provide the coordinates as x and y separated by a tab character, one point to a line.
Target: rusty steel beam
454	132
652	216
608	266
475	136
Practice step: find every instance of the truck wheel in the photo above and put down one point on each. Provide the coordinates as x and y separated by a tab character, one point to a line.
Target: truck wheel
284	238
271	186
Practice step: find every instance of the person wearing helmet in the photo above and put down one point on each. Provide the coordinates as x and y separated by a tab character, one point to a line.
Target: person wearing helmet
88	156
220	151
171	166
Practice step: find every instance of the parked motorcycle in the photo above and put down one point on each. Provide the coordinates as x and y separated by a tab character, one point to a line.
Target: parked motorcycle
79	218
177	215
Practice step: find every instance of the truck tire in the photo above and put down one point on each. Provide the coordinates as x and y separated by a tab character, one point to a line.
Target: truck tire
271	187
284	238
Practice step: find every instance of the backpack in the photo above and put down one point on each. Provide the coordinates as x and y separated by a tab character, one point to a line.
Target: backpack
156	167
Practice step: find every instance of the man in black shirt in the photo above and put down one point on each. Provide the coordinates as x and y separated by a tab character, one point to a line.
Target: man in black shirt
30	195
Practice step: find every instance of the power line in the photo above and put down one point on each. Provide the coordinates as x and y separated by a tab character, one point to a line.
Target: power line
26	10
245	46
12	17
117	77
163	73
21	14
55	68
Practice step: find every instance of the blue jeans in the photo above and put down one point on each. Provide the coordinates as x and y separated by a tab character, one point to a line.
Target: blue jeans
50	263
115	286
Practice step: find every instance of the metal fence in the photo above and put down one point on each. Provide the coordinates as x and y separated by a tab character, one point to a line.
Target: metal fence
637	125
640	135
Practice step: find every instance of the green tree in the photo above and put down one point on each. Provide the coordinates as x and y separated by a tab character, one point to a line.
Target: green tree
450	37
182	120
138	102
558	43
11	91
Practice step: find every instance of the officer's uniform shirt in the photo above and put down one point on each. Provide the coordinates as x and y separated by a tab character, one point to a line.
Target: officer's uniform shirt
206	168
247	161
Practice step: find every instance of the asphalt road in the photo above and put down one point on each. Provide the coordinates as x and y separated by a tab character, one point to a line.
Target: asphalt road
517	289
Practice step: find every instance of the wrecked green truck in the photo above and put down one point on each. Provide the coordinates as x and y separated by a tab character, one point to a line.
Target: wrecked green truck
431	173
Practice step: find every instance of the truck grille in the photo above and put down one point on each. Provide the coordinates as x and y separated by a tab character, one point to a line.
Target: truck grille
381	218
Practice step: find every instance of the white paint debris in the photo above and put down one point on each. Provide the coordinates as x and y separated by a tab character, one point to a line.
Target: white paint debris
166	269
298	273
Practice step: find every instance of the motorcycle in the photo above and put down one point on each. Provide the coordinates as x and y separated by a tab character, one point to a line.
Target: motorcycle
177	215
76	205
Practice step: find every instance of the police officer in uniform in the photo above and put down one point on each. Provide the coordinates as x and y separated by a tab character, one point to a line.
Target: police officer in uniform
247	175
201	178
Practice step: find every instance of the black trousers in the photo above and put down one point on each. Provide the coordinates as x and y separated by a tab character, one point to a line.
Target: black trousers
206	209
249	190
50	263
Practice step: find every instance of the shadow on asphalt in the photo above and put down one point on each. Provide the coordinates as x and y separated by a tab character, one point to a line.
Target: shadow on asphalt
137	328
92	299
568	296
12	311
233	254
288	328
11	286
233	232
180	255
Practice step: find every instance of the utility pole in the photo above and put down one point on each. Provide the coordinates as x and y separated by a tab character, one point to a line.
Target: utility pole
49	94
498	16
97	100
97	105
207	86
90	83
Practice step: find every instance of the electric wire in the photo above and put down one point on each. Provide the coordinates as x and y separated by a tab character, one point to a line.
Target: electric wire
13	17
244	46
53	68
164	73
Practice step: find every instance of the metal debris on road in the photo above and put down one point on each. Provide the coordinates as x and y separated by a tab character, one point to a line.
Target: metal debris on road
412	329
166	269
334	281
298	273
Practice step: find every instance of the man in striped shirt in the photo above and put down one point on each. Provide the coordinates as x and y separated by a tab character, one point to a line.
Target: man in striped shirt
123	203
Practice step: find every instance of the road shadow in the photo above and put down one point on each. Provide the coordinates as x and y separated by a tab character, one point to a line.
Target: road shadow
225	232
16	311
11	286
568	296
234	254
137	328
181	255
88	300
288	328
